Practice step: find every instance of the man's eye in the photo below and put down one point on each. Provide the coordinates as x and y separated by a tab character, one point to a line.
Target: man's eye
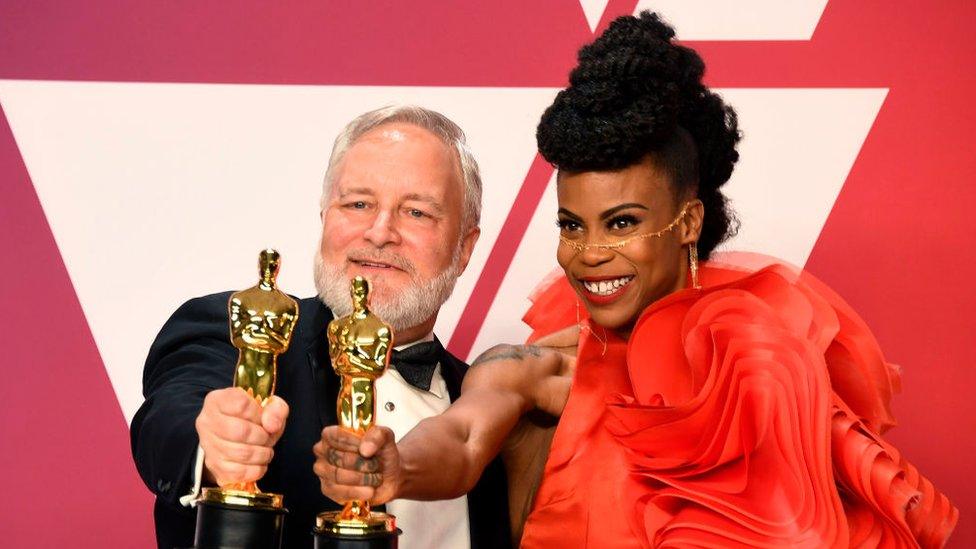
356	205
569	225
415	213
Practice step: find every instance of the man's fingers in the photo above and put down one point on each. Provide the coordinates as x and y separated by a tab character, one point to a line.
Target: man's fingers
244	454
342	485
235	402
375	439
350	467
236	446
274	415
234	429
340	439
338	476
351	461
345	459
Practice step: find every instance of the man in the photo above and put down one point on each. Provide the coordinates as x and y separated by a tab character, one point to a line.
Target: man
400	206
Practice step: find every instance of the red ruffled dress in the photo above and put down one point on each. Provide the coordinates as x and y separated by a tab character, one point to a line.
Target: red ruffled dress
747	413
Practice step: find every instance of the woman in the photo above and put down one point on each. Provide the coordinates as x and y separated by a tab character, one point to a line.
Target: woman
707	405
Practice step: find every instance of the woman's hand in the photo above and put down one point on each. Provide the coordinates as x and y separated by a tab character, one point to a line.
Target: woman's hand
354	468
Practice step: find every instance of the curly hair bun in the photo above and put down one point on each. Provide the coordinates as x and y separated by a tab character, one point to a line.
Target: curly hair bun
632	92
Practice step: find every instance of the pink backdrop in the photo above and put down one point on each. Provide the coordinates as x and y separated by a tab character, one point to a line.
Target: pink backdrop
896	242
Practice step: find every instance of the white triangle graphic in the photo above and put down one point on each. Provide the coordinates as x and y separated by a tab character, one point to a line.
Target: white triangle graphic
149	188
593	10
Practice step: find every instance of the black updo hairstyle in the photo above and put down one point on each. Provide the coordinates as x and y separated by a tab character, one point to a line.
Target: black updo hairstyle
636	93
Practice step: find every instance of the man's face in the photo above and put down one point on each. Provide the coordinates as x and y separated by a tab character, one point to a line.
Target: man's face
393	216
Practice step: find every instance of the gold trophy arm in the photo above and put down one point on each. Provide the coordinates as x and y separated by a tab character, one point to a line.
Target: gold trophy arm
288	323
254	333
369	364
282	339
382	349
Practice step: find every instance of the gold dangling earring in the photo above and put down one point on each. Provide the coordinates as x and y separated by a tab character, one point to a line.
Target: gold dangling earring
693	264
579	320
580	326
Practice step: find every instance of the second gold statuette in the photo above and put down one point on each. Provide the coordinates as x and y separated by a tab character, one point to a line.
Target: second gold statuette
360	345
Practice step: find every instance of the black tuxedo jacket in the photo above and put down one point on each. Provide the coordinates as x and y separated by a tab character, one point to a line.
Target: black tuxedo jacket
192	355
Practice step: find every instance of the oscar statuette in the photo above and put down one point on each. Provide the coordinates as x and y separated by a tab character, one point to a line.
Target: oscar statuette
261	322
360	345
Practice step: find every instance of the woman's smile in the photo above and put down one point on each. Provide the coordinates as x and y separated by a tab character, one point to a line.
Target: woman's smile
602	290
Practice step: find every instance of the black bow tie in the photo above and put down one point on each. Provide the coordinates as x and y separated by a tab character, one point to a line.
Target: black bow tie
417	362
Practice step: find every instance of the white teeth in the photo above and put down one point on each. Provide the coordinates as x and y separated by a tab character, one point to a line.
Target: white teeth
607	287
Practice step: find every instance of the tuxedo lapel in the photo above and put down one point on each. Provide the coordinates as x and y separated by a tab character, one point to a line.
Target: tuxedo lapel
452	370
320	365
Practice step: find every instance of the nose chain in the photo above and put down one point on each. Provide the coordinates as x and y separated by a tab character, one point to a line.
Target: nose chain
580	247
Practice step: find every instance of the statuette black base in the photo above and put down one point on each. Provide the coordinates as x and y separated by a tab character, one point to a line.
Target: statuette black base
379	540
222	526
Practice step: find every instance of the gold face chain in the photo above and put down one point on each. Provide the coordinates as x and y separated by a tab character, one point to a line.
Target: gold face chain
580	247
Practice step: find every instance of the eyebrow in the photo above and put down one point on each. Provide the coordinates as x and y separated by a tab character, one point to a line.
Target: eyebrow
355	190
605	214
427	199
622	207
568	213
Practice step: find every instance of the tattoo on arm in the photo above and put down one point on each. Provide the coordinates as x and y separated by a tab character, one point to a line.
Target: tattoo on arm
507	352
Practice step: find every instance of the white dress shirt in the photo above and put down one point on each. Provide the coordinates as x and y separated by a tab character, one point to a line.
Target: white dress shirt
425	524
400	406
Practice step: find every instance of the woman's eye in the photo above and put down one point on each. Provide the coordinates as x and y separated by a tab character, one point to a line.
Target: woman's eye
622	222
568	225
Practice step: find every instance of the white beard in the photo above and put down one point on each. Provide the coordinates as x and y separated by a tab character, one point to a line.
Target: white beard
402	309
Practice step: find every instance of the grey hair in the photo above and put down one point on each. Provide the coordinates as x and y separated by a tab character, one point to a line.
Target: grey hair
436	123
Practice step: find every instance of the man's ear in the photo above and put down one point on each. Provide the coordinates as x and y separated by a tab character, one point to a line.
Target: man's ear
691	224
467	248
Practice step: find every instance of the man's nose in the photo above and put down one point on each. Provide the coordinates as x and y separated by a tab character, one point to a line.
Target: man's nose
383	230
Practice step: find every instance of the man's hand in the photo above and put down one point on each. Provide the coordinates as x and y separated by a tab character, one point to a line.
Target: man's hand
238	435
353	468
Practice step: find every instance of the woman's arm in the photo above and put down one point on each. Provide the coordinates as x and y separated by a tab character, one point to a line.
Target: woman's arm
443	456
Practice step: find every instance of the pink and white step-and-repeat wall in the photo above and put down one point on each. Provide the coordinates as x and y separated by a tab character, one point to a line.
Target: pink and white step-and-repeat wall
133	135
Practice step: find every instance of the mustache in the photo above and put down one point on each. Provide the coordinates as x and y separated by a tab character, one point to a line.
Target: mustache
375	255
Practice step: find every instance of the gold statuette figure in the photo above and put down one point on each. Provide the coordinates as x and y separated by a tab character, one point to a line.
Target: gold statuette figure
261	322
360	345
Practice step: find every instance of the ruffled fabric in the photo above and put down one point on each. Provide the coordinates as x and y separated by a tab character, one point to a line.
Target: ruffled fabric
747	413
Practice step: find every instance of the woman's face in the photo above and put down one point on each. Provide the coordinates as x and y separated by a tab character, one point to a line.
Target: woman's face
616	284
